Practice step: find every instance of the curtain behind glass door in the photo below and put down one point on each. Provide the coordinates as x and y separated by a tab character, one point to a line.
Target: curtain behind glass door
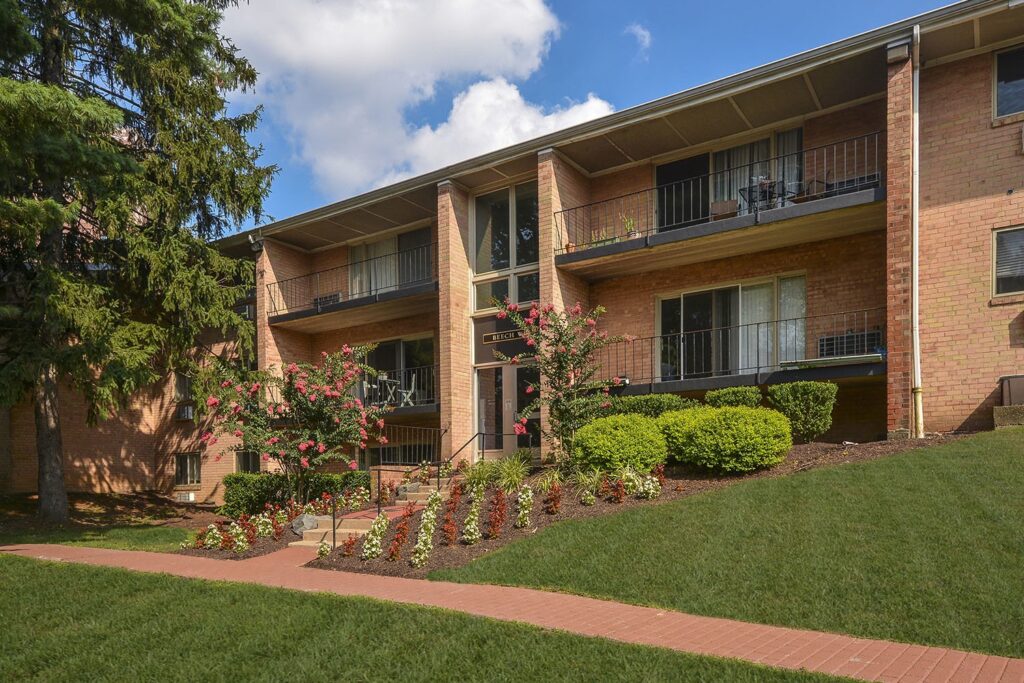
756	345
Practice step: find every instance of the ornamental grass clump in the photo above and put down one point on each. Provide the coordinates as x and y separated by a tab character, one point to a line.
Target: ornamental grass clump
587	484
496	515
510	472
471	527
425	535
524	506
374	539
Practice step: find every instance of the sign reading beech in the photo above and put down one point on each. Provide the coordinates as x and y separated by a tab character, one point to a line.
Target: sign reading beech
499	337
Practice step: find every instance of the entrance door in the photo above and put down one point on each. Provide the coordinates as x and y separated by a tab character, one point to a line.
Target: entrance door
501	397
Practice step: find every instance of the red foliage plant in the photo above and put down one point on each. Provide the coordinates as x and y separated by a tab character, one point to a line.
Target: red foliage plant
618	491
348	546
497	514
401	533
659	474
553	499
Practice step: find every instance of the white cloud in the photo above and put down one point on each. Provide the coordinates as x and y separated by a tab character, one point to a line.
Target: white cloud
643	39
339	77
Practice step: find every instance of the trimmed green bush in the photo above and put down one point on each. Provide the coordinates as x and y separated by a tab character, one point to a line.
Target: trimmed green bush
611	443
248	492
730	439
651	405
807	405
749	397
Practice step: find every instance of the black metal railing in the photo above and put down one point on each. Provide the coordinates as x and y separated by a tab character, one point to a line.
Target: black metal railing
827	171
745	349
403	388
483	442
412	452
359	279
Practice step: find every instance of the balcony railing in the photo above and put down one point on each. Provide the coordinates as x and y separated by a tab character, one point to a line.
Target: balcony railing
827	171
831	339
359	279
403	388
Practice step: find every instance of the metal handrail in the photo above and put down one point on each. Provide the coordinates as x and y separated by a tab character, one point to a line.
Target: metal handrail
827	170
318	290
744	349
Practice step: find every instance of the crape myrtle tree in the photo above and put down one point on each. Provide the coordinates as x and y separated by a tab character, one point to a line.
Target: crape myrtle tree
119	161
301	417
563	345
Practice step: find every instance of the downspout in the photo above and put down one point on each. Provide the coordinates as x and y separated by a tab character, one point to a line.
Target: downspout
915	164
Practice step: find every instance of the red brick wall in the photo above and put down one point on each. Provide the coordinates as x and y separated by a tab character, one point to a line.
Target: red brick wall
899	128
968	164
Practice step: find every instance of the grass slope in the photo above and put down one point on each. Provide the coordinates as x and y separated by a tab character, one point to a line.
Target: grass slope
134	537
72	622
925	547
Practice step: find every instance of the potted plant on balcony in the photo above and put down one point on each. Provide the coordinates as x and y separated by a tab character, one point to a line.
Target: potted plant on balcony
629	226
570	247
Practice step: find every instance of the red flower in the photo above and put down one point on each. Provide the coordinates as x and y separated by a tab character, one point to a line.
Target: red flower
502	315
212	402
303	446
320	448
519	429
352	465
304	462
266	457
529	389
238	432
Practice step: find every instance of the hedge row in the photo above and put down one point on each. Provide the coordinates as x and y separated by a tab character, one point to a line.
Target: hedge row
248	493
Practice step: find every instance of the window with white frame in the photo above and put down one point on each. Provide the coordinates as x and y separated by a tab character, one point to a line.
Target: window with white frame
187	469
247	461
1009	261
1009	90
505	243
730	330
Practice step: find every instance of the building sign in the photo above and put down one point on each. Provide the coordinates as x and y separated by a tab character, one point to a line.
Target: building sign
499	337
491	335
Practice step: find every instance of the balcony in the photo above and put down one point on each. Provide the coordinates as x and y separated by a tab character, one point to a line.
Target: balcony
396	284
819	193
824	347
406	391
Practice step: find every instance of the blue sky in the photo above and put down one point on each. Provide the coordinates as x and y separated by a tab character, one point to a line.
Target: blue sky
359	95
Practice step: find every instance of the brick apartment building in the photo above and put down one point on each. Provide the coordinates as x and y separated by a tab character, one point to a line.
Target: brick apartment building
790	222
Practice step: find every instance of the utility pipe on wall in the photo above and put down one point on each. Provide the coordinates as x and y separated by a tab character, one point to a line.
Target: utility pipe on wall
915	330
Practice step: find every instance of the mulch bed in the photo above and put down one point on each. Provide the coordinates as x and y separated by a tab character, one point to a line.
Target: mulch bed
680	482
262	546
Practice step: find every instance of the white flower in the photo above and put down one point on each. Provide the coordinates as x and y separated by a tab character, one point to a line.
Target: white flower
524	505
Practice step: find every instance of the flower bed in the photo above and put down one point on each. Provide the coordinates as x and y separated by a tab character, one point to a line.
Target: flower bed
674	482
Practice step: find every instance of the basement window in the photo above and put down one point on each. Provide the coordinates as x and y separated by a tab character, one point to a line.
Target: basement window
1010	82
1009	261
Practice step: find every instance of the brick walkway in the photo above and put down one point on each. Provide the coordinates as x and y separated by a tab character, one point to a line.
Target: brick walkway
872	660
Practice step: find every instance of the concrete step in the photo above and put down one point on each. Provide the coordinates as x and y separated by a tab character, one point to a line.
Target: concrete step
420	496
317	535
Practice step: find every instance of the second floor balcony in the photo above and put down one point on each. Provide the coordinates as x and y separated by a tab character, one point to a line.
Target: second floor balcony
400	279
803	188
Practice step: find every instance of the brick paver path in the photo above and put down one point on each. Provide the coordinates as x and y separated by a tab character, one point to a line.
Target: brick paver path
789	648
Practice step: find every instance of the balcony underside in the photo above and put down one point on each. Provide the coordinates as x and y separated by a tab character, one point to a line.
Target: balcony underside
399	303
810	221
871	370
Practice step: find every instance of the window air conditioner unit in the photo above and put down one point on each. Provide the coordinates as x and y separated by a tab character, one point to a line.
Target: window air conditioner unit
185	497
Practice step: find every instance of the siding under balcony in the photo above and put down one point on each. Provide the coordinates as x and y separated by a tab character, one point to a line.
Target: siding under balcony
382	288
811	195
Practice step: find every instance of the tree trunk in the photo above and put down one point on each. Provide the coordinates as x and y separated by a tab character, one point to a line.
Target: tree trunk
53	498
6	457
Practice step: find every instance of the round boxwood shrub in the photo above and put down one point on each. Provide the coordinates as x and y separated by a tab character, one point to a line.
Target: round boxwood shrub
651	405
807	405
749	397
731	439
610	443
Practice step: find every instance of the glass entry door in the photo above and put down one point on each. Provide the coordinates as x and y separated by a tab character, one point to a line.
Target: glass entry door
501	397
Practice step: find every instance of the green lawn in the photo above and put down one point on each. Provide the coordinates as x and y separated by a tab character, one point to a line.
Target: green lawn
925	547
129	537
73	622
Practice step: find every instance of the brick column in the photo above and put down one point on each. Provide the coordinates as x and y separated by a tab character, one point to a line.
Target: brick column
275	346
455	351
899	125
559	186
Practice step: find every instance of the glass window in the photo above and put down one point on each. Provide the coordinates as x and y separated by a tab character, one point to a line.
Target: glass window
1010	261
490	408
182	388
528	288
526	224
247	461
186	469
492	232
488	292
1010	82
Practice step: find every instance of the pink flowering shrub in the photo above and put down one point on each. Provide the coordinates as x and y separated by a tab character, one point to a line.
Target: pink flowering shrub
301	419
563	345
